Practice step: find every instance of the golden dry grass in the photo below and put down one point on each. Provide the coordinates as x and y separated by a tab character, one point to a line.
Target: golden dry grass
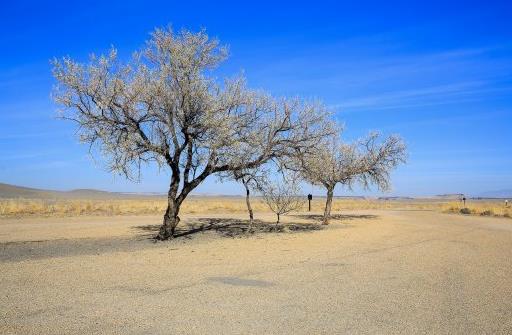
483	208
77	207
216	205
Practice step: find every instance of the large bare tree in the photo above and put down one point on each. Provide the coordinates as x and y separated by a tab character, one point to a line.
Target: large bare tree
367	161
165	106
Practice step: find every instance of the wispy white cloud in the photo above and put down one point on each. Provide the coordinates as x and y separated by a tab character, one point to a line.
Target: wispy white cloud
448	119
428	96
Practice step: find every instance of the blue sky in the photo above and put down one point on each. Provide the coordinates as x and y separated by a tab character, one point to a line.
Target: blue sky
438	73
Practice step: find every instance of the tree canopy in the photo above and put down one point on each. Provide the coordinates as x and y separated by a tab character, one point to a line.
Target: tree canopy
165	106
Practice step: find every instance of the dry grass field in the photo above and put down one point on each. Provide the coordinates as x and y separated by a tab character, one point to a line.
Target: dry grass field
481	207
22	207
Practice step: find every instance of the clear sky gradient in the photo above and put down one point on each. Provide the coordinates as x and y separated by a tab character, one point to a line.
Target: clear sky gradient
438	73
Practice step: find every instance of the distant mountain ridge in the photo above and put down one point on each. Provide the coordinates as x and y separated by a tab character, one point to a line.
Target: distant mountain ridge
13	191
449	196
506	193
8	191
500	194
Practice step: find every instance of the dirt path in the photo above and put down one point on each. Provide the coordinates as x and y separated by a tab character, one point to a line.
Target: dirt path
372	272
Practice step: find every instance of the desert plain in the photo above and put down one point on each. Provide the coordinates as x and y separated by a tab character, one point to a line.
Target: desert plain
397	269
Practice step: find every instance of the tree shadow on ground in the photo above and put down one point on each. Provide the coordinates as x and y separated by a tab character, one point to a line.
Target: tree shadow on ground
231	227
340	217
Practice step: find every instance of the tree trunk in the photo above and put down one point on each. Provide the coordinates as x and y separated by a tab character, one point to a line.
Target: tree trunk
174	200
171	220
328	205
249	208
278	218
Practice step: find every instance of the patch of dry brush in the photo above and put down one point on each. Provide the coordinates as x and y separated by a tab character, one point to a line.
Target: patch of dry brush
483	208
225	205
78	207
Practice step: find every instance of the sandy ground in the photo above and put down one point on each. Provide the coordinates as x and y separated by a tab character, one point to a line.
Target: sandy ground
373	272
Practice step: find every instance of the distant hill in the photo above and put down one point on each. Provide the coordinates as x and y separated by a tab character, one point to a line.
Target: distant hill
507	193
449	196
8	191
13	191
395	198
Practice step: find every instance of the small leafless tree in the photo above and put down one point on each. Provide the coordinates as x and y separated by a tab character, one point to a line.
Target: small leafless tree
368	162
282	196
164	106
251	179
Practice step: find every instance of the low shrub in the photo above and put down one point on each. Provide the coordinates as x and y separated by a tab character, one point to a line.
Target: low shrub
465	211
487	212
